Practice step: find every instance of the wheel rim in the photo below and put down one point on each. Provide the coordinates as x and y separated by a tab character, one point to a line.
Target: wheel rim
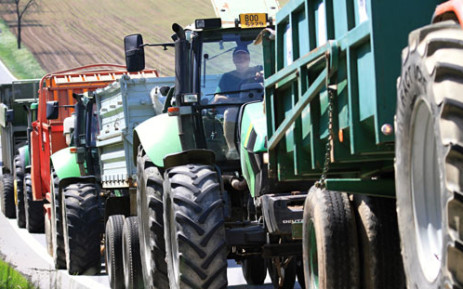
313	257
425	189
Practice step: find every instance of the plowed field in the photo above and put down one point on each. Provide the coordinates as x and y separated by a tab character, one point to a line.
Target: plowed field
68	33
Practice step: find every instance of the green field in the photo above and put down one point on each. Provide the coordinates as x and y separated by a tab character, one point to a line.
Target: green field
11	279
63	34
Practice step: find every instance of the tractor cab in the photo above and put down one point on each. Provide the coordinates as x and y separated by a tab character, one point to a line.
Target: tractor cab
219	67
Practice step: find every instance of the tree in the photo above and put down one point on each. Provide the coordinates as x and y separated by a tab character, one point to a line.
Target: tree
20	10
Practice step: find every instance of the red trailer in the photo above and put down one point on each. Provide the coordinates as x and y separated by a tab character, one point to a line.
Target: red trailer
47	134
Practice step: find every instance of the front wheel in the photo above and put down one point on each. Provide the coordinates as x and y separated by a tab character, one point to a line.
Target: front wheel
330	250
151	222
34	209
81	228
8	207
196	249
429	157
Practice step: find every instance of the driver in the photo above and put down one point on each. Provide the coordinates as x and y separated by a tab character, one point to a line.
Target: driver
230	82
228	90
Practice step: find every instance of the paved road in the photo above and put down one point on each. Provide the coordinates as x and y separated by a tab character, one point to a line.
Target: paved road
28	254
5	75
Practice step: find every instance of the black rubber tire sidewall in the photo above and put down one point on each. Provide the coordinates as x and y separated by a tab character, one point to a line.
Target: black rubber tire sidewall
333	222
113	251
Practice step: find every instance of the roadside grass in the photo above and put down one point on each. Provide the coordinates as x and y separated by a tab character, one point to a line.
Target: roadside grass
20	62
11	279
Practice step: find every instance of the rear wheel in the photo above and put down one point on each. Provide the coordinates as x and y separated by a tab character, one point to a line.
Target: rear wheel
8	207
113	251
19	191
81	228
379	243
133	277
330	250
254	270
151	223
429	157
196	249
34	209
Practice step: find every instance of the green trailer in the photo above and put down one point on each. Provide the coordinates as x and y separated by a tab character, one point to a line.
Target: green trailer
365	140
17	101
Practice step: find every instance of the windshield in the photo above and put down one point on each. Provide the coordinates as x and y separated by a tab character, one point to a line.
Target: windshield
231	74
231	68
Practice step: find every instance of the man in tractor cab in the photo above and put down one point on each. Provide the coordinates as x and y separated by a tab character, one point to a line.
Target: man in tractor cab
235	86
230	84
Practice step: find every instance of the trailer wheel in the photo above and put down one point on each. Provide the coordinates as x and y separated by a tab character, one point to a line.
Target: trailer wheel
379	243
429	157
151	222
8	207
330	249
34	209
113	251
254	270
287	276
19	191
196	249
59	255
81	228
133	277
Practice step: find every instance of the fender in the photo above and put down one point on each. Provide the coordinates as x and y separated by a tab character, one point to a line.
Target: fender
450	10
159	138
65	164
253	128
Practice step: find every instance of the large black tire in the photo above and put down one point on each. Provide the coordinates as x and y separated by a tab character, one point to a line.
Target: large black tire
133	276
196	249
59	255
151	223
379	243
81	228
19	191
34	209
113	251
8	207
288	270
254	270
330	248
429	154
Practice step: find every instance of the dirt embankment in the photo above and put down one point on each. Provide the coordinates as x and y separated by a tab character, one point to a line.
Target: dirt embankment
63	34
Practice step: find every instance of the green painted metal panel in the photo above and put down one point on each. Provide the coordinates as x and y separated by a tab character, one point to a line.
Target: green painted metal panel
365	39
159	137
253	137
65	164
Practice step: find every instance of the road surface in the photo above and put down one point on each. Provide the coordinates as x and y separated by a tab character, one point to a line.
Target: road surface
28	254
5	75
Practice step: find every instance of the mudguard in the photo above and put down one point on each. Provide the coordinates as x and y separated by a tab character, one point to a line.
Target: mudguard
65	164
159	138
252	146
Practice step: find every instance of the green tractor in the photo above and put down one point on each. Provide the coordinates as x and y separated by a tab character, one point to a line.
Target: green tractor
195	208
95	176
18	110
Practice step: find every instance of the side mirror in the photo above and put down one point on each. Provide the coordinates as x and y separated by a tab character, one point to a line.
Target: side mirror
52	109
134	53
